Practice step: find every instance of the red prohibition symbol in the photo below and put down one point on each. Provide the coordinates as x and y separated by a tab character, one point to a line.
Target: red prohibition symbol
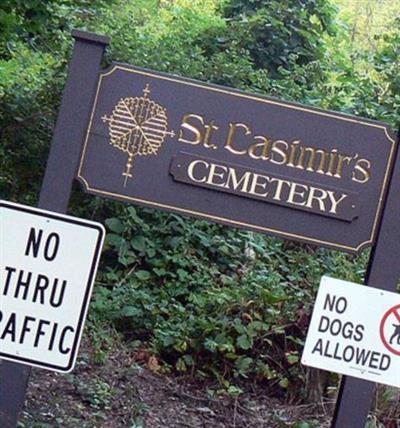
389	330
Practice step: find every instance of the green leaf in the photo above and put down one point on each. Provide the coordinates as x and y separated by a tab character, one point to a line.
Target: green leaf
284	382
302	424
182	274
131	311
292	358
243	364
180	365
139	243
169	340
114	240
160	271
244	342
115	225
143	275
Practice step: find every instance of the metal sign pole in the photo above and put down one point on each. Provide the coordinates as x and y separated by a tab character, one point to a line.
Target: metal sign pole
355	395
56	188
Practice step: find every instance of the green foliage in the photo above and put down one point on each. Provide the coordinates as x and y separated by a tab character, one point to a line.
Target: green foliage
366	21
42	23
387	64
364	83
96	392
209	299
163	38
280	33
34	49
27	111
21	18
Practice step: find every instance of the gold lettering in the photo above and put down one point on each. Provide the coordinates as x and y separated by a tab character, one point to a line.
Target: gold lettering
278	188
231	135
363	170
300	160
321	198
293	193
293	150
335	202
312	160
255	183
207	137
198	137
214	173
232	177
190	170
339	167
332	160
264	146
280	152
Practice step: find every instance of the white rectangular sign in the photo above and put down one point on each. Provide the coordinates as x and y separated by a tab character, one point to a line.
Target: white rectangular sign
48	264
355	330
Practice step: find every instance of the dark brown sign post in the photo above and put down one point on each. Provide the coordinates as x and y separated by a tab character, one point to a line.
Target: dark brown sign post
238	159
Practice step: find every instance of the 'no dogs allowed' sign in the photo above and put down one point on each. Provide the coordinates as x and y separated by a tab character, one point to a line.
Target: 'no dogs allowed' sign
48	263
355	330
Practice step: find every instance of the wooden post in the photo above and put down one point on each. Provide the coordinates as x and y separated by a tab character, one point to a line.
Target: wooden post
60	172
355	395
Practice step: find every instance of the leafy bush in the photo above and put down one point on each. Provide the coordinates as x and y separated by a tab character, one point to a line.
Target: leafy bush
29	98
209	299
280	34
34	47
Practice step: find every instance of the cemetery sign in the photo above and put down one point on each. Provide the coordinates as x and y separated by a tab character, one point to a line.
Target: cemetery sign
238	159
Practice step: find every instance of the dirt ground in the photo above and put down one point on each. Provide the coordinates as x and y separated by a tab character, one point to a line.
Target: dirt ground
127	392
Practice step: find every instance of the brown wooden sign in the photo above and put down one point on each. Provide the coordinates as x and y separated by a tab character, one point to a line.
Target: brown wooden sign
238	159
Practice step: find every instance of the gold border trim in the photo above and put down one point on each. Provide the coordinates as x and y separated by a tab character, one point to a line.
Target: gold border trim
115	67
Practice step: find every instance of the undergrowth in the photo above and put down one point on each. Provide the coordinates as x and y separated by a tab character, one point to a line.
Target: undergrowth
213	301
